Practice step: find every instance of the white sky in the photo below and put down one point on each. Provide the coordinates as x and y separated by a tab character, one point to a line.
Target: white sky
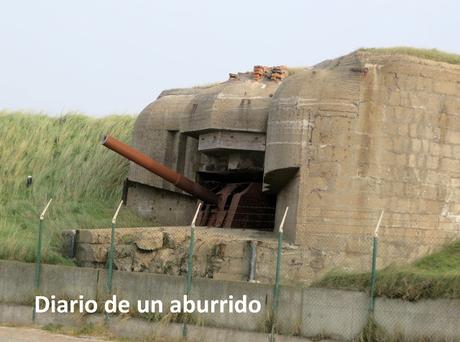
111	56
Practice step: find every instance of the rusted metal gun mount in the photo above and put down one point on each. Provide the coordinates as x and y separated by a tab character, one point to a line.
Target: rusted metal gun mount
241	205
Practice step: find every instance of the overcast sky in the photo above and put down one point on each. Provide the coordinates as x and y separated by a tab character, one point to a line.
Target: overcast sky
105	56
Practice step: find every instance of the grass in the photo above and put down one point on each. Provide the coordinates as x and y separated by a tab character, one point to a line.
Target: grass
168	317
89	330
373	332
434	276
67	162
433	54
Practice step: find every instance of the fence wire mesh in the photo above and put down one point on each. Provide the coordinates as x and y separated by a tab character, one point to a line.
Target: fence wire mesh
324	290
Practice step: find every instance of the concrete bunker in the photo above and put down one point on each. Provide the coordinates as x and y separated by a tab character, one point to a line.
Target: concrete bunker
215	136
337	143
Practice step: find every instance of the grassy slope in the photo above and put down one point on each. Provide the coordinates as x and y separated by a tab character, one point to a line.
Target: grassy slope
68	163
433	54
434	276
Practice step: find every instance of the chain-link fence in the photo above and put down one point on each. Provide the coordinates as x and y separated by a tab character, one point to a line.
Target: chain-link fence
378	280
368	282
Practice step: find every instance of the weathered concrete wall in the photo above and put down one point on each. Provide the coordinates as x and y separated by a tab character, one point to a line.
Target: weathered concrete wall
303	311
219	253
416	319
156	135
235	105
17	282
344	140
169	128
162	207
134	328
368	132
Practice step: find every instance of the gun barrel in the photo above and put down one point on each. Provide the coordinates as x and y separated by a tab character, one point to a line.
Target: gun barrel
161	170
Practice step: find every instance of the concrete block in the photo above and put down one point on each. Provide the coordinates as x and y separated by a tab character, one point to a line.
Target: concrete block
149	241
334	313
247	141
17	282
434	319
68	281
68	243
290	310
211	289
14	314
134	286
91	252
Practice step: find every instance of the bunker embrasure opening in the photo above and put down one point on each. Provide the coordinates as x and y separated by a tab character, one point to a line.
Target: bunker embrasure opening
236	175
206	143
229	181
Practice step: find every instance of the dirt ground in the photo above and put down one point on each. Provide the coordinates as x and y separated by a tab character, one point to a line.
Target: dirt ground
21	334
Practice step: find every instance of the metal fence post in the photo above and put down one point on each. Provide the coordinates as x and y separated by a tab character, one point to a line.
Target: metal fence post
191	248
276	290
38	254
111	251
375	244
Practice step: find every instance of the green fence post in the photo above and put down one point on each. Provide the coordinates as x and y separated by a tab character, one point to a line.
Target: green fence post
276	290
375	244
38	254
191	249
111	252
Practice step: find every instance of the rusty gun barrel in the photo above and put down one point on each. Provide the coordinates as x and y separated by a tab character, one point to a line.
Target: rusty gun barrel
161	170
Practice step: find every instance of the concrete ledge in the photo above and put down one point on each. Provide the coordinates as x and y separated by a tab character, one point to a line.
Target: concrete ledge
133	327
17	281
134	286
336	313
13	314
435	319
208	288
302	311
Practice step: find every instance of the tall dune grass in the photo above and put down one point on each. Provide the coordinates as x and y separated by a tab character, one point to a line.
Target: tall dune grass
67	162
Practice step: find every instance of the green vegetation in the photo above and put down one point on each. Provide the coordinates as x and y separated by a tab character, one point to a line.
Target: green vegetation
100	330
434	276
433	54
67	162
373	332
86	330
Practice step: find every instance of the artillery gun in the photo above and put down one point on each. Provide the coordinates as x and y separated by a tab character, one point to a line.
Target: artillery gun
228	205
